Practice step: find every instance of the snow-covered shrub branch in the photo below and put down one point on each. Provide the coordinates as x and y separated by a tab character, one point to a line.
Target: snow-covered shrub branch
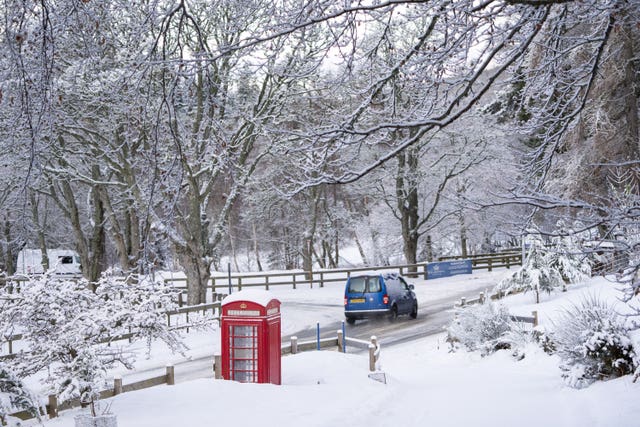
481	327
593	343
14	396
68	328
546	269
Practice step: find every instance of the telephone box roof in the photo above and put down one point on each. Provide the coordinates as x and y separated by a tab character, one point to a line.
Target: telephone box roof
259	296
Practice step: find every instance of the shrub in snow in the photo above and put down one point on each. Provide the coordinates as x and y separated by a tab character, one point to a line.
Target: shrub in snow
14	396
593	343
66	327
567	257
536	274
481	327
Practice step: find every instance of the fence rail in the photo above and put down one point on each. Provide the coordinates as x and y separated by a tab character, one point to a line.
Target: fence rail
320	278
201	308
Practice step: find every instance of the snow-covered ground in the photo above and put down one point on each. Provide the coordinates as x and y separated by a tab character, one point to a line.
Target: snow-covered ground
426	384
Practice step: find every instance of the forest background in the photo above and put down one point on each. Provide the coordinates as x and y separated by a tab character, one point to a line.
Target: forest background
160	134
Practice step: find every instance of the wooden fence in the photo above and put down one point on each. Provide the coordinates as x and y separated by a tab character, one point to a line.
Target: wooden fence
201	308
533	319
53	407
297	278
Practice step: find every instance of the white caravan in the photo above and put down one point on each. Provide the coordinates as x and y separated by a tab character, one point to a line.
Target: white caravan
61	261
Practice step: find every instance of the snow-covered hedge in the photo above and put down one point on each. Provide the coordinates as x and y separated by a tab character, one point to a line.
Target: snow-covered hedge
14	396
484	327
65	325
593	343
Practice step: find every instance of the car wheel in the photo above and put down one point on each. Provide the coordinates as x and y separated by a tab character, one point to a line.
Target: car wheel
351	320
414	311
393	314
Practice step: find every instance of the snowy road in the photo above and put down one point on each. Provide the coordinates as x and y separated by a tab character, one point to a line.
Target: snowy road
302	308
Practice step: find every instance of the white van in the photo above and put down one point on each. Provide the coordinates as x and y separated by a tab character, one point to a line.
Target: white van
62	261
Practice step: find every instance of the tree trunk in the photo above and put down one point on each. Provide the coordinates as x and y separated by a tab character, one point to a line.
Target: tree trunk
42	241
429	248
255	246
9	263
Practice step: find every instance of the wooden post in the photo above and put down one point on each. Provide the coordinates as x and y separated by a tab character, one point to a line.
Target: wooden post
239	283
52	407
400	269
294	280
507	261
426	276
180	301
481	297
10	345
490	260
340	340
535	318
463	301
266	283
171	376
294	345
187	313
373	346
321	279
217	367
117	386
168	319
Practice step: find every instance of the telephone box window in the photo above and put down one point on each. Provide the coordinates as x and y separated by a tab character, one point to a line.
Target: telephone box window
244	353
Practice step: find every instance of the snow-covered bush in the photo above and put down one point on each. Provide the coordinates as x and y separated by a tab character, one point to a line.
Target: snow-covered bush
536	274
66	327
481	327
14	396
567	257
593	343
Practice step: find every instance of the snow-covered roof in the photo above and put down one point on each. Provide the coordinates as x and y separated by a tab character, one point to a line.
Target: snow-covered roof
259	296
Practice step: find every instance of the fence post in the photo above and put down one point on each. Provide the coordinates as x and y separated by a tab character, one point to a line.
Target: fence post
217	366
180	302
117	386
294	345
535	318
463	301
507	260
373	346
481	297
490	262
213	289
294	280
171	376
52	407
266	283
321	279
168	319
340	340
239	283
426	276
10	345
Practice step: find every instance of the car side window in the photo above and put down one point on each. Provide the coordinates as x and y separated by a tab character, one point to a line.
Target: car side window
404	284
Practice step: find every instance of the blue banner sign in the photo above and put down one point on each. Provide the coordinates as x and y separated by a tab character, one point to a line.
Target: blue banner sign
435	270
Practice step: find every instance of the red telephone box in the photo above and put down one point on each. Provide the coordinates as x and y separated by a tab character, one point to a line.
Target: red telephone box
250	336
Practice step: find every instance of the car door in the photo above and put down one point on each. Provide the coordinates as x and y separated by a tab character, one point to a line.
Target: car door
406	297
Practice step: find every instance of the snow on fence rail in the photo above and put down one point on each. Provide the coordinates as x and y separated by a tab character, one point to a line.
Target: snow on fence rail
533	319
179	313
53	407
238	281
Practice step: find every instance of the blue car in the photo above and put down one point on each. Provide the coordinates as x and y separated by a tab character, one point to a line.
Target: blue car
378	295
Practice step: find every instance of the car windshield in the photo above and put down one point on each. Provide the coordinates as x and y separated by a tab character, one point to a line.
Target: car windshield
364	284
